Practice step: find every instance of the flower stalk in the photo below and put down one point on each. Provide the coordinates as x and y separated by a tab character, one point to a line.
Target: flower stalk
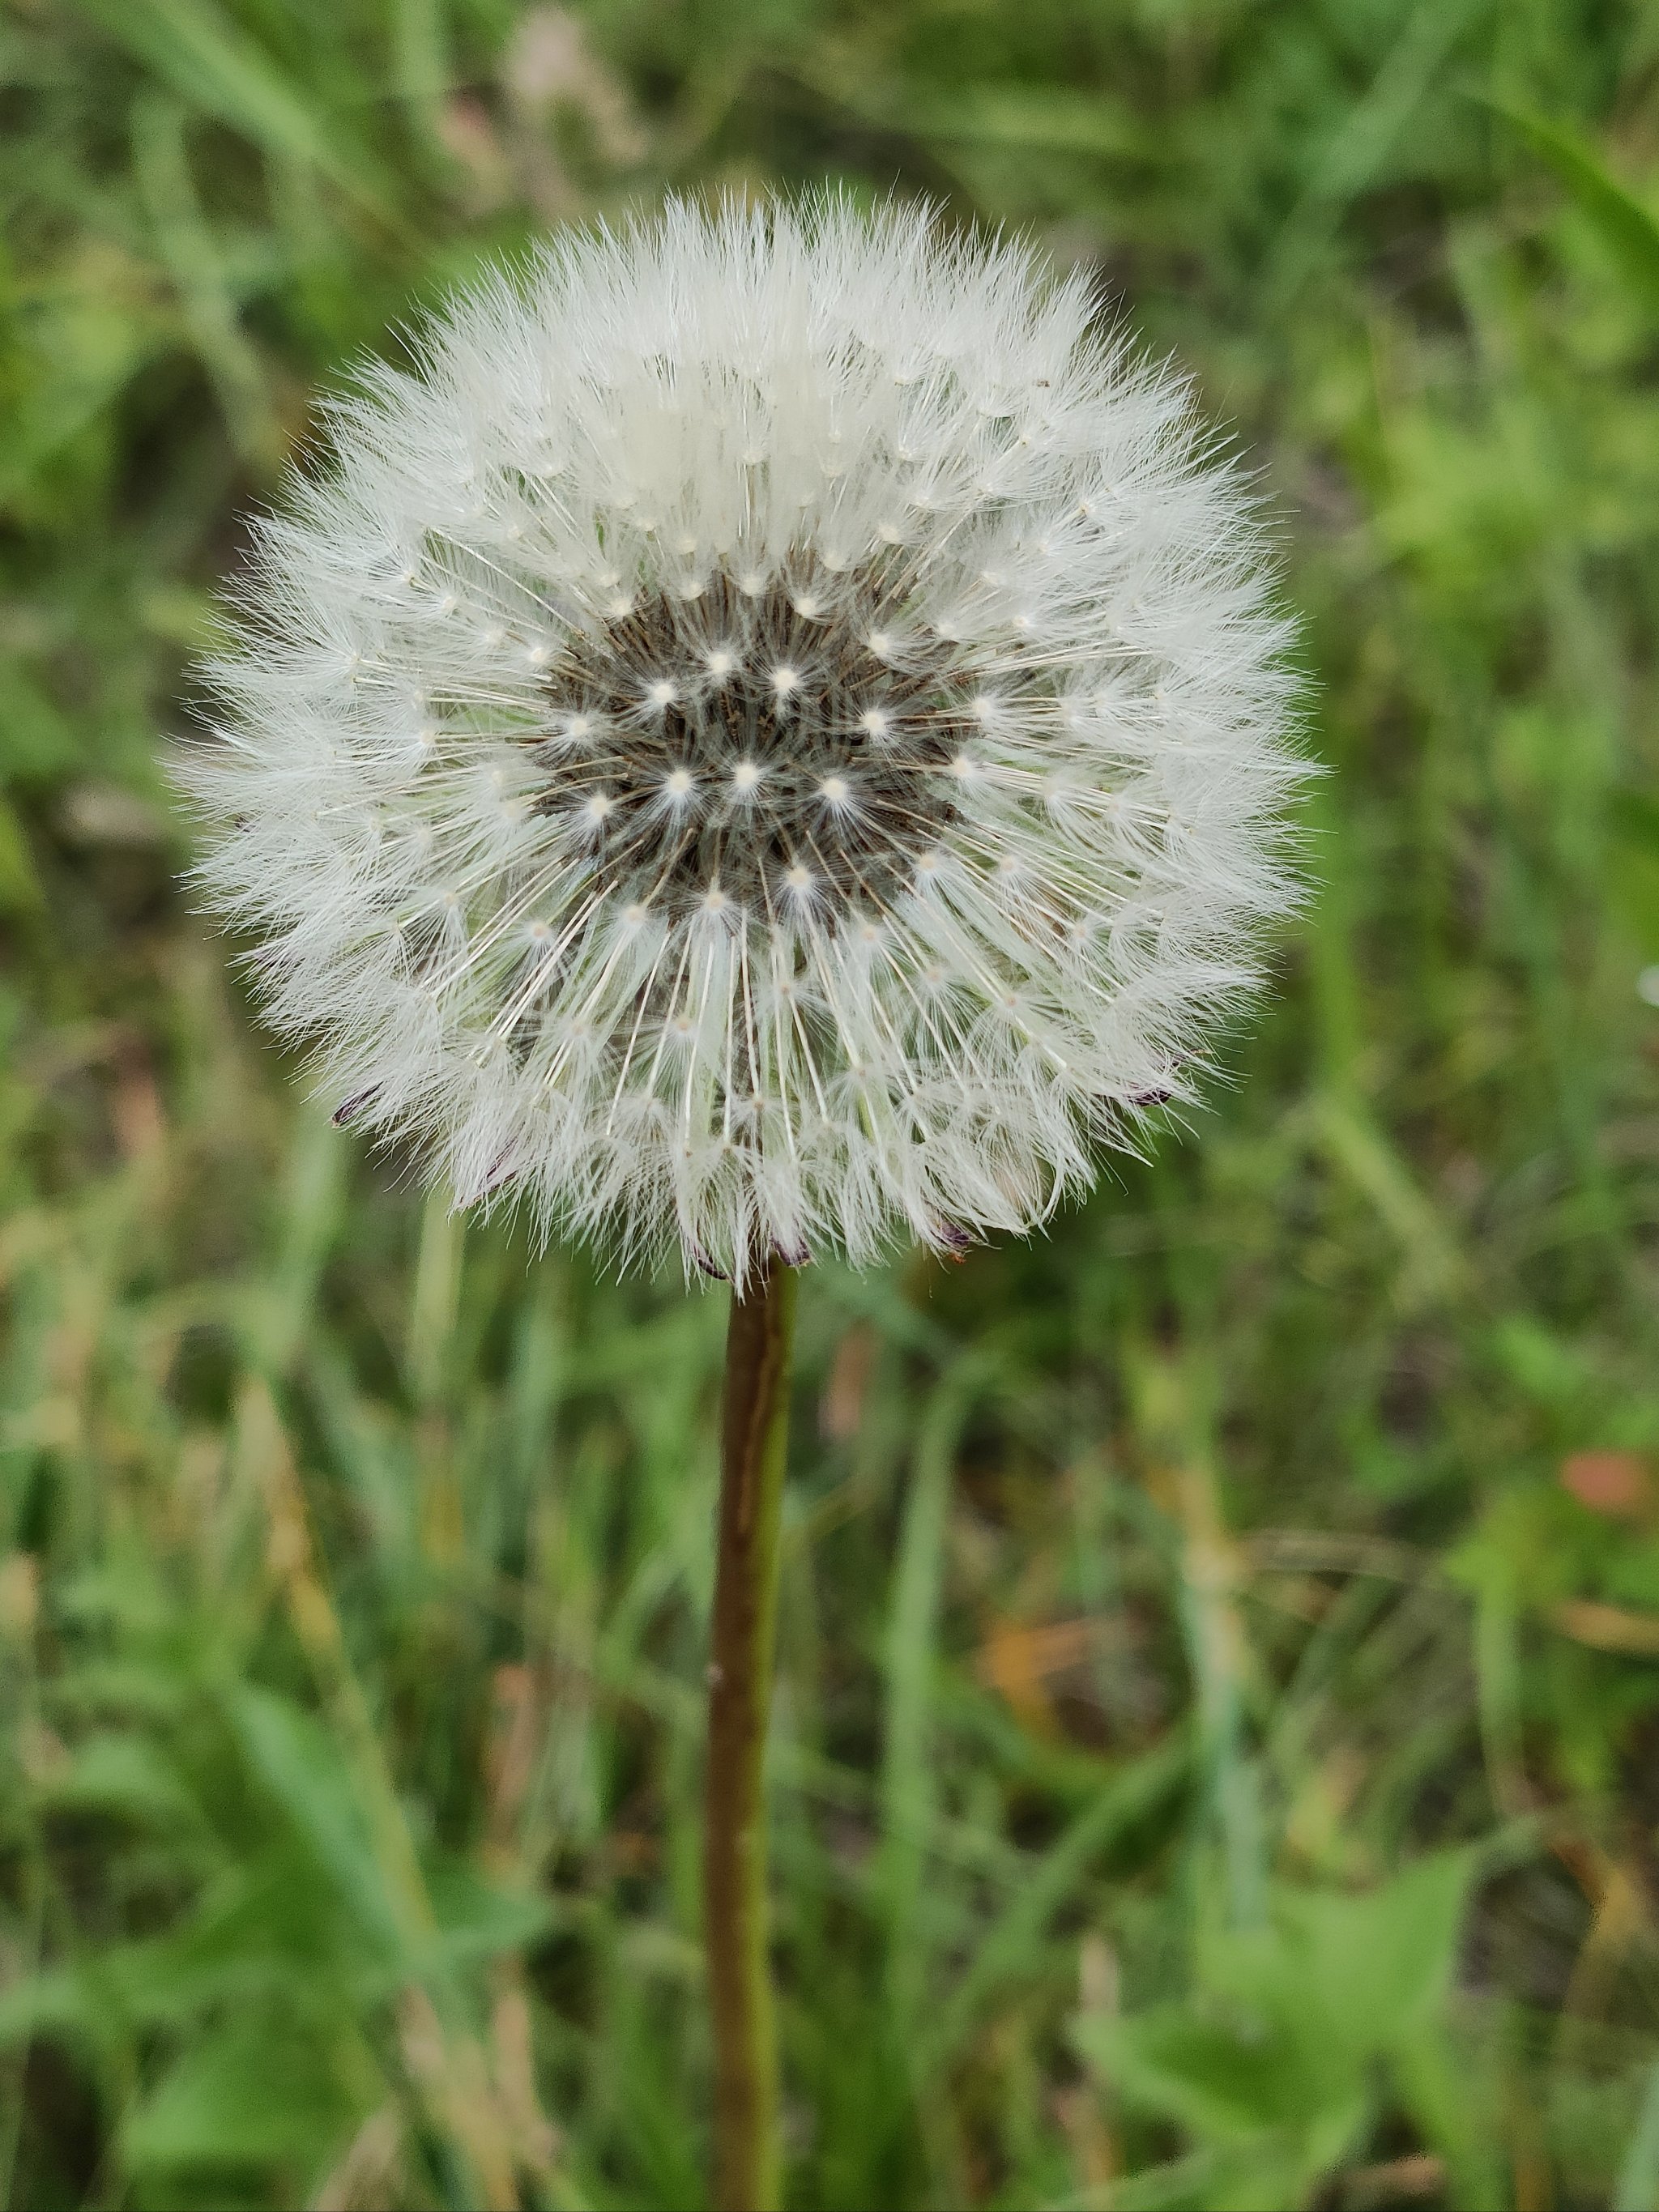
754	1437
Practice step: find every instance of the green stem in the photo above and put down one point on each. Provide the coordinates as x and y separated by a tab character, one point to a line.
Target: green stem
754	1433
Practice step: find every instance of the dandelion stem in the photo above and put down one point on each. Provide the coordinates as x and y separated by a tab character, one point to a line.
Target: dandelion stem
755	1420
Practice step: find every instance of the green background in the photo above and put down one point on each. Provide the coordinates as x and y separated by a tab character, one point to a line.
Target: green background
1215	1761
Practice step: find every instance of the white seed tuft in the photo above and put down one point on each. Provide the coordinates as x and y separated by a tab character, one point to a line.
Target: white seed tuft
851	765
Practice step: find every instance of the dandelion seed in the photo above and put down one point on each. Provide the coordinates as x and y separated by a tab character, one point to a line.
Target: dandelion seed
888	732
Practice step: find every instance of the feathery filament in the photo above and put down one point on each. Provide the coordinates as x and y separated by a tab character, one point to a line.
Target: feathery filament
773	737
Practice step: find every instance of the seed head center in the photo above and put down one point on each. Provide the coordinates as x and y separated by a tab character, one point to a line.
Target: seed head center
757	748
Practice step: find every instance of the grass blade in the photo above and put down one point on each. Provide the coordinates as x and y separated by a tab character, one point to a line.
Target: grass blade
1628	229
216	67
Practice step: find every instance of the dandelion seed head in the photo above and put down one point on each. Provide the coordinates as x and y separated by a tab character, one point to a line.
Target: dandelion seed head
852	764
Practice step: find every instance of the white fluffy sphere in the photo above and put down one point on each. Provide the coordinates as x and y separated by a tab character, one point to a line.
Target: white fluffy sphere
775	737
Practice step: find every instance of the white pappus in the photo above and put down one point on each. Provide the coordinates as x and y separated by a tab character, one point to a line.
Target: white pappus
773	737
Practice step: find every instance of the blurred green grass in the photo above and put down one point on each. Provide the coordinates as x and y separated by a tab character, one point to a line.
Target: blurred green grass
1219	1698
